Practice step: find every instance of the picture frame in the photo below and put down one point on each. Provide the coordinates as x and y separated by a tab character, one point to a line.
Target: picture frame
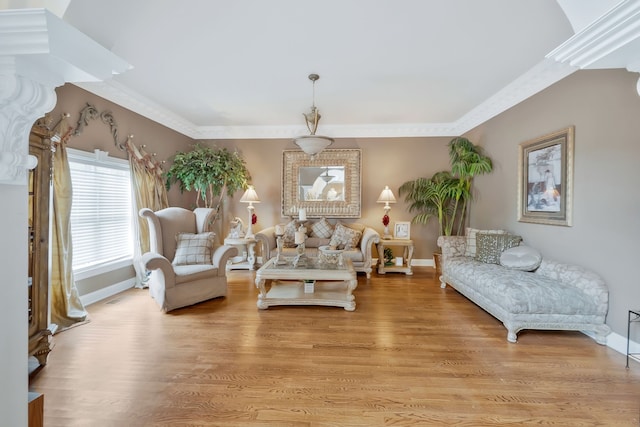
402	230
545	179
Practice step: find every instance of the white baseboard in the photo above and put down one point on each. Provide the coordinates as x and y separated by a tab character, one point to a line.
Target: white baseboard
619	343
107	292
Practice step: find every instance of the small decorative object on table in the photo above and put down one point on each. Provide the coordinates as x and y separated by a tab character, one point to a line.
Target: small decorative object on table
388	256
309	286
329	255
237	229
300	237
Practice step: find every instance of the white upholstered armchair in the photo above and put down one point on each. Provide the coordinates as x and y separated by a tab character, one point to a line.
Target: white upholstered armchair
185	266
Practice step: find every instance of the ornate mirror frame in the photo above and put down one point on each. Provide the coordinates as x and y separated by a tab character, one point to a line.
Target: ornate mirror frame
348	207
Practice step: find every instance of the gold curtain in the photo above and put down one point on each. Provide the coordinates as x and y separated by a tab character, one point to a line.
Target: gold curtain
148	192
66	307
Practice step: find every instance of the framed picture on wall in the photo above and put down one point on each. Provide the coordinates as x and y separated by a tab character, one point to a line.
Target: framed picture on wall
402	230
545	179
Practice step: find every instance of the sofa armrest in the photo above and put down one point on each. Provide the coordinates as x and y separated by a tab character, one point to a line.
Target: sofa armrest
369	238
155	261
267	240
220	257
452	246
588	281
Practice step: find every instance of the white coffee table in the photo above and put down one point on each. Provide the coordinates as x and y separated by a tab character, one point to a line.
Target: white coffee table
334	284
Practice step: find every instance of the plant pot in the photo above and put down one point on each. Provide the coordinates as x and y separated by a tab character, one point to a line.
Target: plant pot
437	262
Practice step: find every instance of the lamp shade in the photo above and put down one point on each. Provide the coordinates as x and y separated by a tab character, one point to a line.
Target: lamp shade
386	196
250	196
313	144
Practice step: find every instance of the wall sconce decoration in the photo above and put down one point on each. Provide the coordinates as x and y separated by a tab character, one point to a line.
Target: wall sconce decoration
386	197
250	196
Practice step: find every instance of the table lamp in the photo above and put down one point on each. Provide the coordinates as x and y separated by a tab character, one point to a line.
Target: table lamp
250	196
386	197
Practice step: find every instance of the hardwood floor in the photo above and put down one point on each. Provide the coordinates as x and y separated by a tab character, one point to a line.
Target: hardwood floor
411	354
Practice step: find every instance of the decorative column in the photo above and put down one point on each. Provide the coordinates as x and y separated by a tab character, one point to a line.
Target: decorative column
22	102
29	74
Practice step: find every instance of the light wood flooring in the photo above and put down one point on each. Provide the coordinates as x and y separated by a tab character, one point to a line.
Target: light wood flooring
412	354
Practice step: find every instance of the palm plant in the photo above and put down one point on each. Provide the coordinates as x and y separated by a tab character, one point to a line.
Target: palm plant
467	161
212	173
446	194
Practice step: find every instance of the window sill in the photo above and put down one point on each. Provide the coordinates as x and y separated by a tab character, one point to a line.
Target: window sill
97	270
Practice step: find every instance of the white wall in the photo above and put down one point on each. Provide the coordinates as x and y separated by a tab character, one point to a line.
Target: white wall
13	305
604	107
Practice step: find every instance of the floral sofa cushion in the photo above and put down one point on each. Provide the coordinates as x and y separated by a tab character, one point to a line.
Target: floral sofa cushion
520	291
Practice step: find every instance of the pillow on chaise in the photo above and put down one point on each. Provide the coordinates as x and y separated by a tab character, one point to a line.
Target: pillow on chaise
470	247
522	257
491	245
194	248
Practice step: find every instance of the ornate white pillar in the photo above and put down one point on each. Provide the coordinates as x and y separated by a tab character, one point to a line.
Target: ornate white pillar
22	102
29	74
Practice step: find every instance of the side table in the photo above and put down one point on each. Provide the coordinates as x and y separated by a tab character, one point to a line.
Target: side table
247	258
634	317
407	255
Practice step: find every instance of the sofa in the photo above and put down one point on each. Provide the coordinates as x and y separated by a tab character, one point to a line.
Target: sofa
525	291
357	240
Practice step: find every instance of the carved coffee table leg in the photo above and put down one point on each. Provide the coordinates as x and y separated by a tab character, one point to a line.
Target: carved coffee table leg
263	293
351	299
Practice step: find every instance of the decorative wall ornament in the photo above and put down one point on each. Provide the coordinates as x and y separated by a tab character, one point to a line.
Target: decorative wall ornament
91	113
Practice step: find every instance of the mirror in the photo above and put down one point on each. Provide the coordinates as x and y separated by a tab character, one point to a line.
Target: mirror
318	184
327	186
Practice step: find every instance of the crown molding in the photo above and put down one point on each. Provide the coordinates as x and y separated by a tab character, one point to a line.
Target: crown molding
533	81
40	40
538	78
134	101
611	41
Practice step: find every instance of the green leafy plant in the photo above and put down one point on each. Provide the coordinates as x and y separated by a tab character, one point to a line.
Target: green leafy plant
388	256
446	194
212	173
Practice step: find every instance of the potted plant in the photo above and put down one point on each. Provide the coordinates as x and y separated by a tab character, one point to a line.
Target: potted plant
446	194
212	172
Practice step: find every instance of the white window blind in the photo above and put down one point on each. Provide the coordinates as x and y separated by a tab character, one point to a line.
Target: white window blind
101	211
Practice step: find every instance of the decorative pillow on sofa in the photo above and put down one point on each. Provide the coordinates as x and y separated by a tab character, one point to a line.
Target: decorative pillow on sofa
522	257
194	248
322	229
345	238
470	248
489	246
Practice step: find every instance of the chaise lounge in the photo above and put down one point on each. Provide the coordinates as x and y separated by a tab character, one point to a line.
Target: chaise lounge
552	295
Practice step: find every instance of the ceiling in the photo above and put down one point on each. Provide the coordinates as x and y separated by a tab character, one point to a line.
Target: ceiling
238	69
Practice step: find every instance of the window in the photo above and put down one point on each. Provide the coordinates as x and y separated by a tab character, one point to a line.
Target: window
101	211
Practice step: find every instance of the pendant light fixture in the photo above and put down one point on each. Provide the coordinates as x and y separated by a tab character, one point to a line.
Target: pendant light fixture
313	144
